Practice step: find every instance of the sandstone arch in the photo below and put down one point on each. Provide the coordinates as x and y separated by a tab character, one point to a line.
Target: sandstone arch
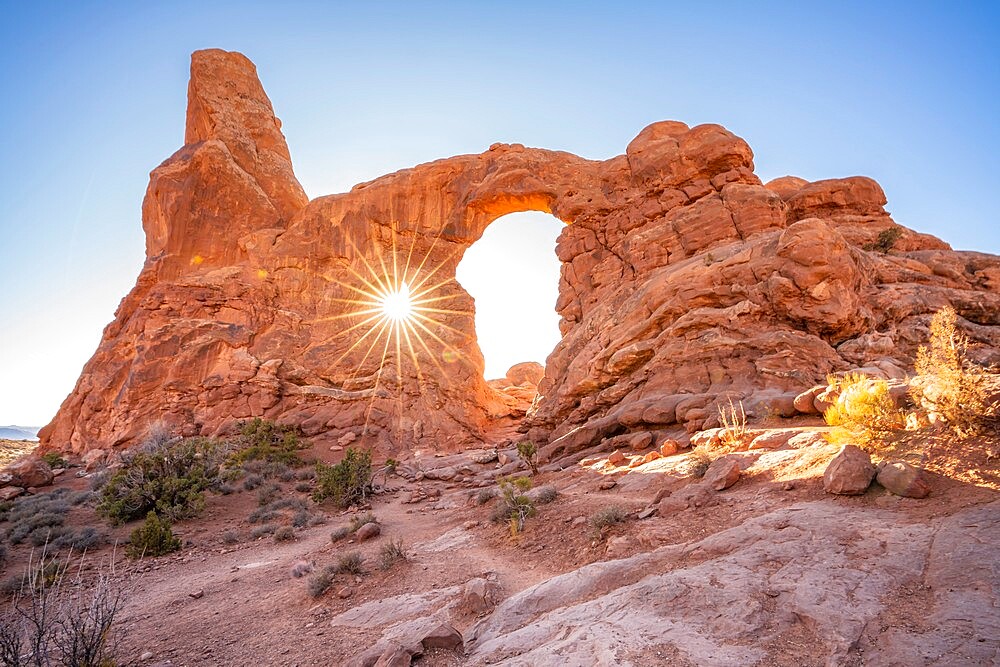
684	278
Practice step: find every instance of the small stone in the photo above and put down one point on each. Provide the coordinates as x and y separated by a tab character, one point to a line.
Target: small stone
345	592
607	484
197	595
469	525
669	447
616	458
146	655
10	492
648	512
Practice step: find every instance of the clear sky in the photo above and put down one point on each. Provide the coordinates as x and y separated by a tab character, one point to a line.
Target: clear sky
92	97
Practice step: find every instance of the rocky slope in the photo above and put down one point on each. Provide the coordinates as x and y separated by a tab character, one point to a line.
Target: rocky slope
685	281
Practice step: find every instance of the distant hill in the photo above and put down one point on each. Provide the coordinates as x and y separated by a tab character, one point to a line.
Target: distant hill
19	432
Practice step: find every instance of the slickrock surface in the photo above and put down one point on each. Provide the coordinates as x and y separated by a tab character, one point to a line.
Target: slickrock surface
684	280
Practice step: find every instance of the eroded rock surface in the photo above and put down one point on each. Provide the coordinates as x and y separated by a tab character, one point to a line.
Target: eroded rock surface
684	279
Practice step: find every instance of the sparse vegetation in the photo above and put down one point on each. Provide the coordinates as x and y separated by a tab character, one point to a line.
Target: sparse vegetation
346	483
339	533
252	482
733	421
391	553
362	519
267	494
301	569
62	622
55	460
352	563
528	453
544	495
321	581
607	517
167	477
513	506
486	494
697	462
955	387
153	538
261	531
40	520
864	414
263	440
231	536
284	534
886	240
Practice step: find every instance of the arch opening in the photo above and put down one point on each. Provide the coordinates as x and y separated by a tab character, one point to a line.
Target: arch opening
512	273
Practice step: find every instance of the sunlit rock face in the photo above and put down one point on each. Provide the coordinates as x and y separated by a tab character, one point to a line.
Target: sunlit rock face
684	281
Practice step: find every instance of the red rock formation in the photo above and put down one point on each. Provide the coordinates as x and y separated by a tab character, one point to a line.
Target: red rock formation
684	280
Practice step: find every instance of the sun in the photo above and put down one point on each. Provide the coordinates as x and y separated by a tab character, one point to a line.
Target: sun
396	304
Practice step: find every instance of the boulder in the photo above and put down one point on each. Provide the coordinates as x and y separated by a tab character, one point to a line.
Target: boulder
367	531
442	636
29	472
722	473
10	492
849	473
804	402
903	479
669	447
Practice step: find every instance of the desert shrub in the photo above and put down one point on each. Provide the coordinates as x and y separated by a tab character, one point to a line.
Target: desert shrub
252	482
261	531
99	479
886	240
169	478
733	422
284	534
79	497
955	387
153	538
362	519
513	505
267	494
55	460
40	518
352	563
609	516
288	504
67	622
301	518
486	494
391	553
321	581
223	488
528	453
263	515
80	540
347	482
301	569
263	440
231	536
697	462
339	533
305	474
864	414
544	495
317	519
304	487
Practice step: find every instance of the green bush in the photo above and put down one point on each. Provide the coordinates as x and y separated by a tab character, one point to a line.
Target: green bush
886	240
153	538
514	505
263	440
347	482
168	478
54	459
529	454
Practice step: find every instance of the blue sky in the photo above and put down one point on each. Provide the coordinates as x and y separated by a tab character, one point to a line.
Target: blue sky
94	93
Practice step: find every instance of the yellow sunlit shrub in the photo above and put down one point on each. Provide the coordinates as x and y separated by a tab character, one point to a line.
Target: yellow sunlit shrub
864	414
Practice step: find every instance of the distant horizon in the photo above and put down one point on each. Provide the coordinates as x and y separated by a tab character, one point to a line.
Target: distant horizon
903	93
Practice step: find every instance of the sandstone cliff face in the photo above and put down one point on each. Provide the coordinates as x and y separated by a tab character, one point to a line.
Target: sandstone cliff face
684	281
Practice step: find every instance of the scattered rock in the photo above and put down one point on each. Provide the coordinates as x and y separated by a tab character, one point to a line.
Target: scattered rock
903	479
775	439
93	458
345	592
617	458
722	473
197	595
804	402
669	447
607	484
849	473
146	655
10	492
367	531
